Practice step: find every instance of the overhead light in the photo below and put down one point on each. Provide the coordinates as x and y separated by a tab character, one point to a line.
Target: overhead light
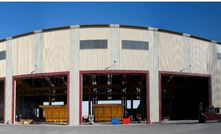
109	79
124	90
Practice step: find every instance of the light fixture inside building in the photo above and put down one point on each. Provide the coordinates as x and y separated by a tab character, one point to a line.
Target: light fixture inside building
94	81
138	90
109	79
109	97
138	97
109	90
124	90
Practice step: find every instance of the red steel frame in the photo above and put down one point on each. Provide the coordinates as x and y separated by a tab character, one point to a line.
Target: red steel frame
39	75
3	79
83	72
170	73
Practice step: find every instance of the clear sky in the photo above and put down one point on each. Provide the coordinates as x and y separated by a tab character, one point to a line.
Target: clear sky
200	19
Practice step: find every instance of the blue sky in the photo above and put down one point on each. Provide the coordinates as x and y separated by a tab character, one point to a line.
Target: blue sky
200	19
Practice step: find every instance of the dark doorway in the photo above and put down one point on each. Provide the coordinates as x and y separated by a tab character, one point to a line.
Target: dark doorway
128	90
41	99
181	96
2	92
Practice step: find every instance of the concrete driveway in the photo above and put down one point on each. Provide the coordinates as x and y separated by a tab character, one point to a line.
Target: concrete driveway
167	128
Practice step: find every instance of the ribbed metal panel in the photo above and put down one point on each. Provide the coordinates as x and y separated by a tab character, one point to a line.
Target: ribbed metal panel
94	33
199	59
93	59
2	62
56	51
182	54
23	55
134	59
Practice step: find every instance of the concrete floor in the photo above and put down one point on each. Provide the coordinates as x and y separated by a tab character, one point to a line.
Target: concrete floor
166	128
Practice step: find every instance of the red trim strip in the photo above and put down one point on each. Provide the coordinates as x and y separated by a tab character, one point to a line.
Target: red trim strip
13	99
80	97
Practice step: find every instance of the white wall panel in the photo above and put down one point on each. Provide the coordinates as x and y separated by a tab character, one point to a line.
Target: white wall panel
23	55
94	33
93	59
199	61
56	51
134	59
182	54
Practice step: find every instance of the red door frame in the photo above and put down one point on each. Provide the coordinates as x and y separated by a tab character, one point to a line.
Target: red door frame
3	79
171	73
83	72
39	75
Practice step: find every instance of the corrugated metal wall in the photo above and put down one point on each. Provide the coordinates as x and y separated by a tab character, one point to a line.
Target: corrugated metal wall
134	59
94	59
56	51
167	51
23	55
2	62
177	53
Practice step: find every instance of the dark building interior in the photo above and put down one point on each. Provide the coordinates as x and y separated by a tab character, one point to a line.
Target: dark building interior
181	96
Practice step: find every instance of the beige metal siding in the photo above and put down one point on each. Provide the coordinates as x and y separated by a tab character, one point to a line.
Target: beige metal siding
94	59
94	33
176	53
2	62
199	62
134	59
23	55
56	51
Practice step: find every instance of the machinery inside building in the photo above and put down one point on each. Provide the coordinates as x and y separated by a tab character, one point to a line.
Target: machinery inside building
108	96
41	99
1	100
182	95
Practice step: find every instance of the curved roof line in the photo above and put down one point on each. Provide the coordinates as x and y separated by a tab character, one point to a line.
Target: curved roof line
110	25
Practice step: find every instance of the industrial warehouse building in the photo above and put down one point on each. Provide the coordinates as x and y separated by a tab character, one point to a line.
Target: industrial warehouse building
146	73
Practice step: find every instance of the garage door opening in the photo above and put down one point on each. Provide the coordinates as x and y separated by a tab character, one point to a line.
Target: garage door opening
2	92
41	99
181	96
111	95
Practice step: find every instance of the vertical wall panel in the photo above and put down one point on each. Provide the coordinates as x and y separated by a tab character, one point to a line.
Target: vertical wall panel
94	33
23	55
182	54
74	89
94	59
134	59
56	51
2	62
215	74
171	52
9	74
199	63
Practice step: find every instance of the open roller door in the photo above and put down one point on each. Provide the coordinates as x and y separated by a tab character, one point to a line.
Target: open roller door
181	96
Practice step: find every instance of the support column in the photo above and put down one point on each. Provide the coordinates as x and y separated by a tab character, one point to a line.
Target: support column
38	51
114	47
74	90
153	79
9	74
215	75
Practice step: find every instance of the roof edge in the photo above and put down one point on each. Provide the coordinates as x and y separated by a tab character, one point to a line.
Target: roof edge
110	25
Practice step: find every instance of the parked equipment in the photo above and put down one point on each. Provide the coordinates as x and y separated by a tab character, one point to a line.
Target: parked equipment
209	113
55	113
105	112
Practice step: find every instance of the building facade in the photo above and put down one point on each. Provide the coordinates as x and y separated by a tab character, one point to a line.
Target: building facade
80	49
